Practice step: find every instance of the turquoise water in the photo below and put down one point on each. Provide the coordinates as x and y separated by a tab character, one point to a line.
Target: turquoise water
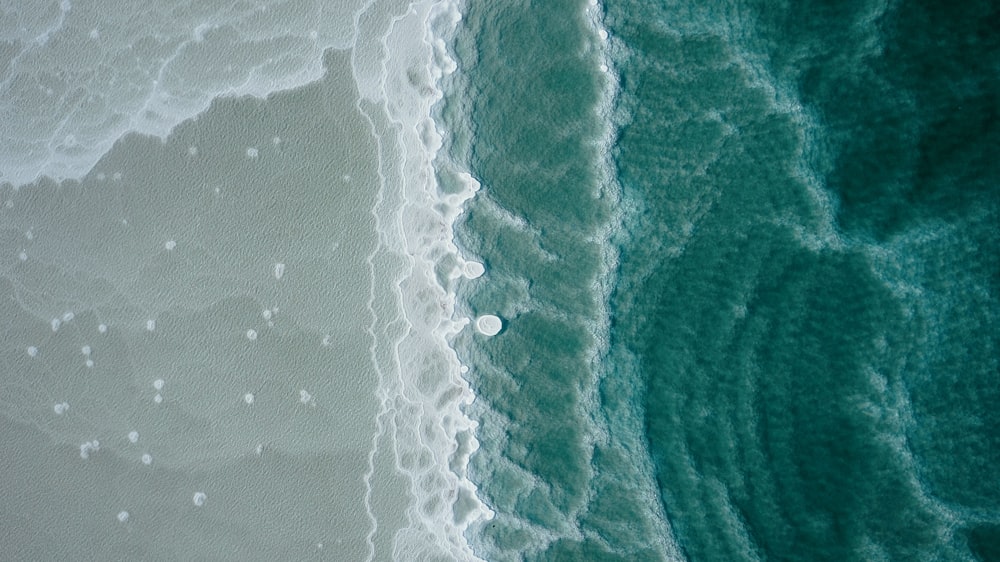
751	298
741	258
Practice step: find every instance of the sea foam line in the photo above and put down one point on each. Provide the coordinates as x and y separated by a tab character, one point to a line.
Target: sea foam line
611	236
422	391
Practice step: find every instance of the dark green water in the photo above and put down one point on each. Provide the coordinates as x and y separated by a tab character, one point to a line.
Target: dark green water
787	347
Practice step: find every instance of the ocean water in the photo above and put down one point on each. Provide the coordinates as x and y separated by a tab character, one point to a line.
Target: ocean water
224	333
443	280
748	275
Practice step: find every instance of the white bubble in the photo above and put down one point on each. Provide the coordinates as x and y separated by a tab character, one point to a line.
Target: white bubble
489	325
95	34
170	245
89	447
133	436
147	459
304	396
102	328
23	256
276	141
199	498
60	408
67	316
251	152
150	325
85	350
251	335
604	34
122	516
89	363
279	270
29	235
193	150
117	176
266	314
158	399
474	269
158	384
326	340
464	368
248	398
55	324
32	351
604	67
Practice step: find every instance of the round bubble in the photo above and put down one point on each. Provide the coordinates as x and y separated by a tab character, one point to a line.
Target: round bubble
489	325
248	398
133	436
147	459
474	269
199	498
251	335
158	384
123	516
170	244
150	325
32	351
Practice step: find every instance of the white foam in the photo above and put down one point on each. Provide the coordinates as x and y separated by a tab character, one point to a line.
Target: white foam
279	270
248	398
89	363
158	384
150	325
489	325
421	408
89	447
55	324
199	498
102	328
252	153
133	436
170	245
85	350
251	335
32	351
146	459
186	62
474	269
61	408
158	398
305	397
122	516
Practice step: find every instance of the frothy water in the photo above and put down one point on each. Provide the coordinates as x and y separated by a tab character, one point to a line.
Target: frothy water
229	284
444	280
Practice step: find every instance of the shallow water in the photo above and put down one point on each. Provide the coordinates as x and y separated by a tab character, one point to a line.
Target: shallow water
738	260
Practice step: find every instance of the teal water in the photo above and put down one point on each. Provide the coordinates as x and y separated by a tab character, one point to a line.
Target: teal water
761	322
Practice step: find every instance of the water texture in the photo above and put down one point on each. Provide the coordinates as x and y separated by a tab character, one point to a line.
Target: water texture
797	356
